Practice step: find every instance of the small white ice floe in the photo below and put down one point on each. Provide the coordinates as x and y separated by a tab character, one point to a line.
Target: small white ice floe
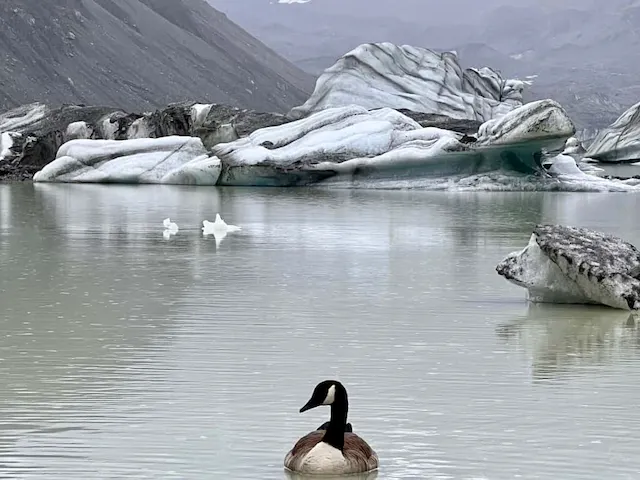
218	229
170	228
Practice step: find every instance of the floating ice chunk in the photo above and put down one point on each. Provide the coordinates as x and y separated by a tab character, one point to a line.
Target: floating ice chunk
219	229
219	226
170	228
169	225
575	265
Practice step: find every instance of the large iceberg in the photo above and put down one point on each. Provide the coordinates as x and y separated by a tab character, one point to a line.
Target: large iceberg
620	142
348	146
376	75
564	264
354	143
171	160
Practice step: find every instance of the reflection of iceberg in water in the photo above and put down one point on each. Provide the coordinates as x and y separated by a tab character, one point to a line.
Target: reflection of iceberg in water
5	206
568	340
76	337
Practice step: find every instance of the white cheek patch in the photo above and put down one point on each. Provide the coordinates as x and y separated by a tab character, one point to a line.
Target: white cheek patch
331	396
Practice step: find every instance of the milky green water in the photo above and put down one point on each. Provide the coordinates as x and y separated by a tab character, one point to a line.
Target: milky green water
125	355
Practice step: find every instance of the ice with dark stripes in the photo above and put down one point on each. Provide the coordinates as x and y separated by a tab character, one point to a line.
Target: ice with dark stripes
376	75
564	264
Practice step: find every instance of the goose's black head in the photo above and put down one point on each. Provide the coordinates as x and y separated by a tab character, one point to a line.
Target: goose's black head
328	392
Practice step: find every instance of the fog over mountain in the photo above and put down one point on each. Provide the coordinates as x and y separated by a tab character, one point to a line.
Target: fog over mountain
584	52
138	54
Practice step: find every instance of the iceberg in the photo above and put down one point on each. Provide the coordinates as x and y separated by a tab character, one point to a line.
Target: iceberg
347	147
563	264
376	75
620	142
353	143
38	132
174	159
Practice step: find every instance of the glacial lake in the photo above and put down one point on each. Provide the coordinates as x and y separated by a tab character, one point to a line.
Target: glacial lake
127	355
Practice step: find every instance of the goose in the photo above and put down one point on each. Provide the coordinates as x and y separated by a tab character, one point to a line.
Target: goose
334	450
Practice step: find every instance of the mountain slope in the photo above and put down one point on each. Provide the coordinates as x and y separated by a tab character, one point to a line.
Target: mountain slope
138	54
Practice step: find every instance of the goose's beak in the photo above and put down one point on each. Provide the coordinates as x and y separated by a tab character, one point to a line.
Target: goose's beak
312	403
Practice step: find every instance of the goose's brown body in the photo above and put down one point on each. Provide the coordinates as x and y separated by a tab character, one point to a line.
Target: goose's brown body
357	456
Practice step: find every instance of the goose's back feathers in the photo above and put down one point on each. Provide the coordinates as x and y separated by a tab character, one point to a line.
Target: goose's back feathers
325	425
311	455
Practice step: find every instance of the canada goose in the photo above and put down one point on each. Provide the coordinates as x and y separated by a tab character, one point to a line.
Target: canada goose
333	451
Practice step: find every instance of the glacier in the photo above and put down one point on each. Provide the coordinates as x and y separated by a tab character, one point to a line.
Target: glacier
620	142
564	264
376	75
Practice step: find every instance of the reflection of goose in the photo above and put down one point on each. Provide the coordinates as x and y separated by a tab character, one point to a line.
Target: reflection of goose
333	451
218	229
357	476
170	228
566	339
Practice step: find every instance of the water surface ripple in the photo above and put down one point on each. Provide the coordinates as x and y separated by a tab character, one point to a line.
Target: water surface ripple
125	355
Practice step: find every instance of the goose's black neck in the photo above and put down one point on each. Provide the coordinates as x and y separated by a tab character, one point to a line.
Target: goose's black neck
334	435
